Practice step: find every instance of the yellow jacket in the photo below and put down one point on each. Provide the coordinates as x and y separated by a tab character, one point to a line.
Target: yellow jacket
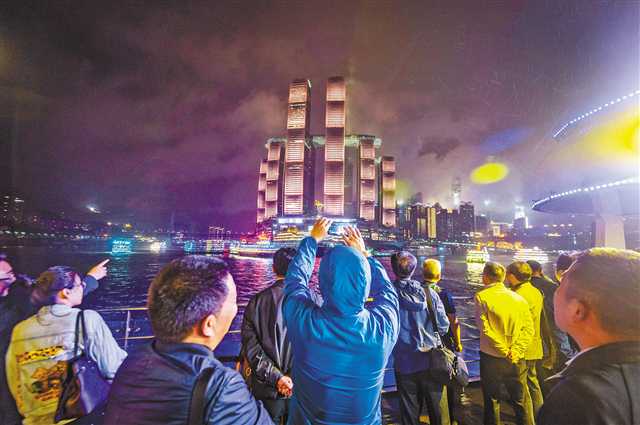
504	322
535	300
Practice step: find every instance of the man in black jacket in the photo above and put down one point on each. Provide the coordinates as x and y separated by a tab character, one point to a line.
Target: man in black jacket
265	344
597	304
191	302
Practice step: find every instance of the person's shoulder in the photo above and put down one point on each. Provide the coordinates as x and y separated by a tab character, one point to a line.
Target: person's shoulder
589	396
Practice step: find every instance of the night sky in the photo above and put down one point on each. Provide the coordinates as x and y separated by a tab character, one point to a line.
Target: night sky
144	108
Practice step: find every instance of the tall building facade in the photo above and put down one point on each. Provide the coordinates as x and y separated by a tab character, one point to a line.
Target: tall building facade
466	219
274	177
334	147
334	174
298	166
262	190
387	192
366	192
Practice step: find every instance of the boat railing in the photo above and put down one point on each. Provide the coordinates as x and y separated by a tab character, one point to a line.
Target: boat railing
130	326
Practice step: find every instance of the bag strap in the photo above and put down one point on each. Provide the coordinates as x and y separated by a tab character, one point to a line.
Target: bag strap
427	292
79	323
196	410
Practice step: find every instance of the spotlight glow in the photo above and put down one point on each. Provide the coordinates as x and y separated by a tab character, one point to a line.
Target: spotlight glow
489	173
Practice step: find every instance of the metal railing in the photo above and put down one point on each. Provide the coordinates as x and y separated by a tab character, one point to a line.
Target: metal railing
125	334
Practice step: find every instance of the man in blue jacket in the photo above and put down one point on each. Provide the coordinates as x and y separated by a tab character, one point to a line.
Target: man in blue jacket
192	302
340	350
417	338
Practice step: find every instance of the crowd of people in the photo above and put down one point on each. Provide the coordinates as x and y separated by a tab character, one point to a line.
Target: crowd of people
558	352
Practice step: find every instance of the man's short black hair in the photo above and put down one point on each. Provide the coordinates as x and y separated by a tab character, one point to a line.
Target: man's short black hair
536	267
50	282
563	262
184	292
521	271
403	264
494	271
281	260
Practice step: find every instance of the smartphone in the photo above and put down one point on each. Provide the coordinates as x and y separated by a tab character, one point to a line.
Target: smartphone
337	229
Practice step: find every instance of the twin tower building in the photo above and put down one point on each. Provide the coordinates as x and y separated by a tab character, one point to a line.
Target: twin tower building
335	175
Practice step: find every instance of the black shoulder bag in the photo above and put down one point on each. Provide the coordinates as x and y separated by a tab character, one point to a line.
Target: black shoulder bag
84	388
445	366
196	410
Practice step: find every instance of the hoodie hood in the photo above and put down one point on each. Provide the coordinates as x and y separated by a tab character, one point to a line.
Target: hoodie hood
345	280
411	294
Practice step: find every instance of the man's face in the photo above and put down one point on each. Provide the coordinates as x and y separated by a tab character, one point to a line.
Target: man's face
229	308
7	277
77	292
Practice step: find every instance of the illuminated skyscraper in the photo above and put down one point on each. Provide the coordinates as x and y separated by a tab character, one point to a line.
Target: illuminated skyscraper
298	163
387	192
366	194
334	147
466	219
456	191
262	189
274	177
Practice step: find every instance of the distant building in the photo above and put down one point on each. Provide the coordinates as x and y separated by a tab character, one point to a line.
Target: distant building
262	189
387	192
445	227
338	175
12	210
466	219
274	192
334	147
456	191
482	224
366	176
298	183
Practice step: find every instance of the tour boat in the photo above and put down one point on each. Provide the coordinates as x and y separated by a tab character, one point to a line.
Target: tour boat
526	254
478	255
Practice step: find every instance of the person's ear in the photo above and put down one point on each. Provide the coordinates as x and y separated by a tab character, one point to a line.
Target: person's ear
208	326
65	293
579	310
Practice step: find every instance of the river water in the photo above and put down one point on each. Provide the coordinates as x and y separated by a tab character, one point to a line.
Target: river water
129	277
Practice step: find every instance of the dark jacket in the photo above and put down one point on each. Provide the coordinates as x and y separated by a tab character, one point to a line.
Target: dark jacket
154	386
417	335
265	343
14	308
561	339
600	386
340	349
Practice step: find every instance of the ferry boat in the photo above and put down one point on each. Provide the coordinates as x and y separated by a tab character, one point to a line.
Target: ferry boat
535	253
478	255
258	249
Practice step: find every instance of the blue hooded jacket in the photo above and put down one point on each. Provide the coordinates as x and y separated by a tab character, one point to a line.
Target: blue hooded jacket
340	349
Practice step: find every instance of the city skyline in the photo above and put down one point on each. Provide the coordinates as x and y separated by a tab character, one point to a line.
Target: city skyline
146	112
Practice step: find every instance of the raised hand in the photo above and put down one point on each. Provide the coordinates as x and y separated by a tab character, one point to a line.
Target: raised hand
99	270
353	238
320	229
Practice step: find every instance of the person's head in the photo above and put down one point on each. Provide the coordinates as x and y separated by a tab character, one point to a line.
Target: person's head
7	276
431	270
281	260
192	299
403	264
344	277
597	301
492	273
563	263
58	285
518	272
536	268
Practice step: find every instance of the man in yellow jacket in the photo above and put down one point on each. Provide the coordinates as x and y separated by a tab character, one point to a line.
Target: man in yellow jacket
506	330
519	280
